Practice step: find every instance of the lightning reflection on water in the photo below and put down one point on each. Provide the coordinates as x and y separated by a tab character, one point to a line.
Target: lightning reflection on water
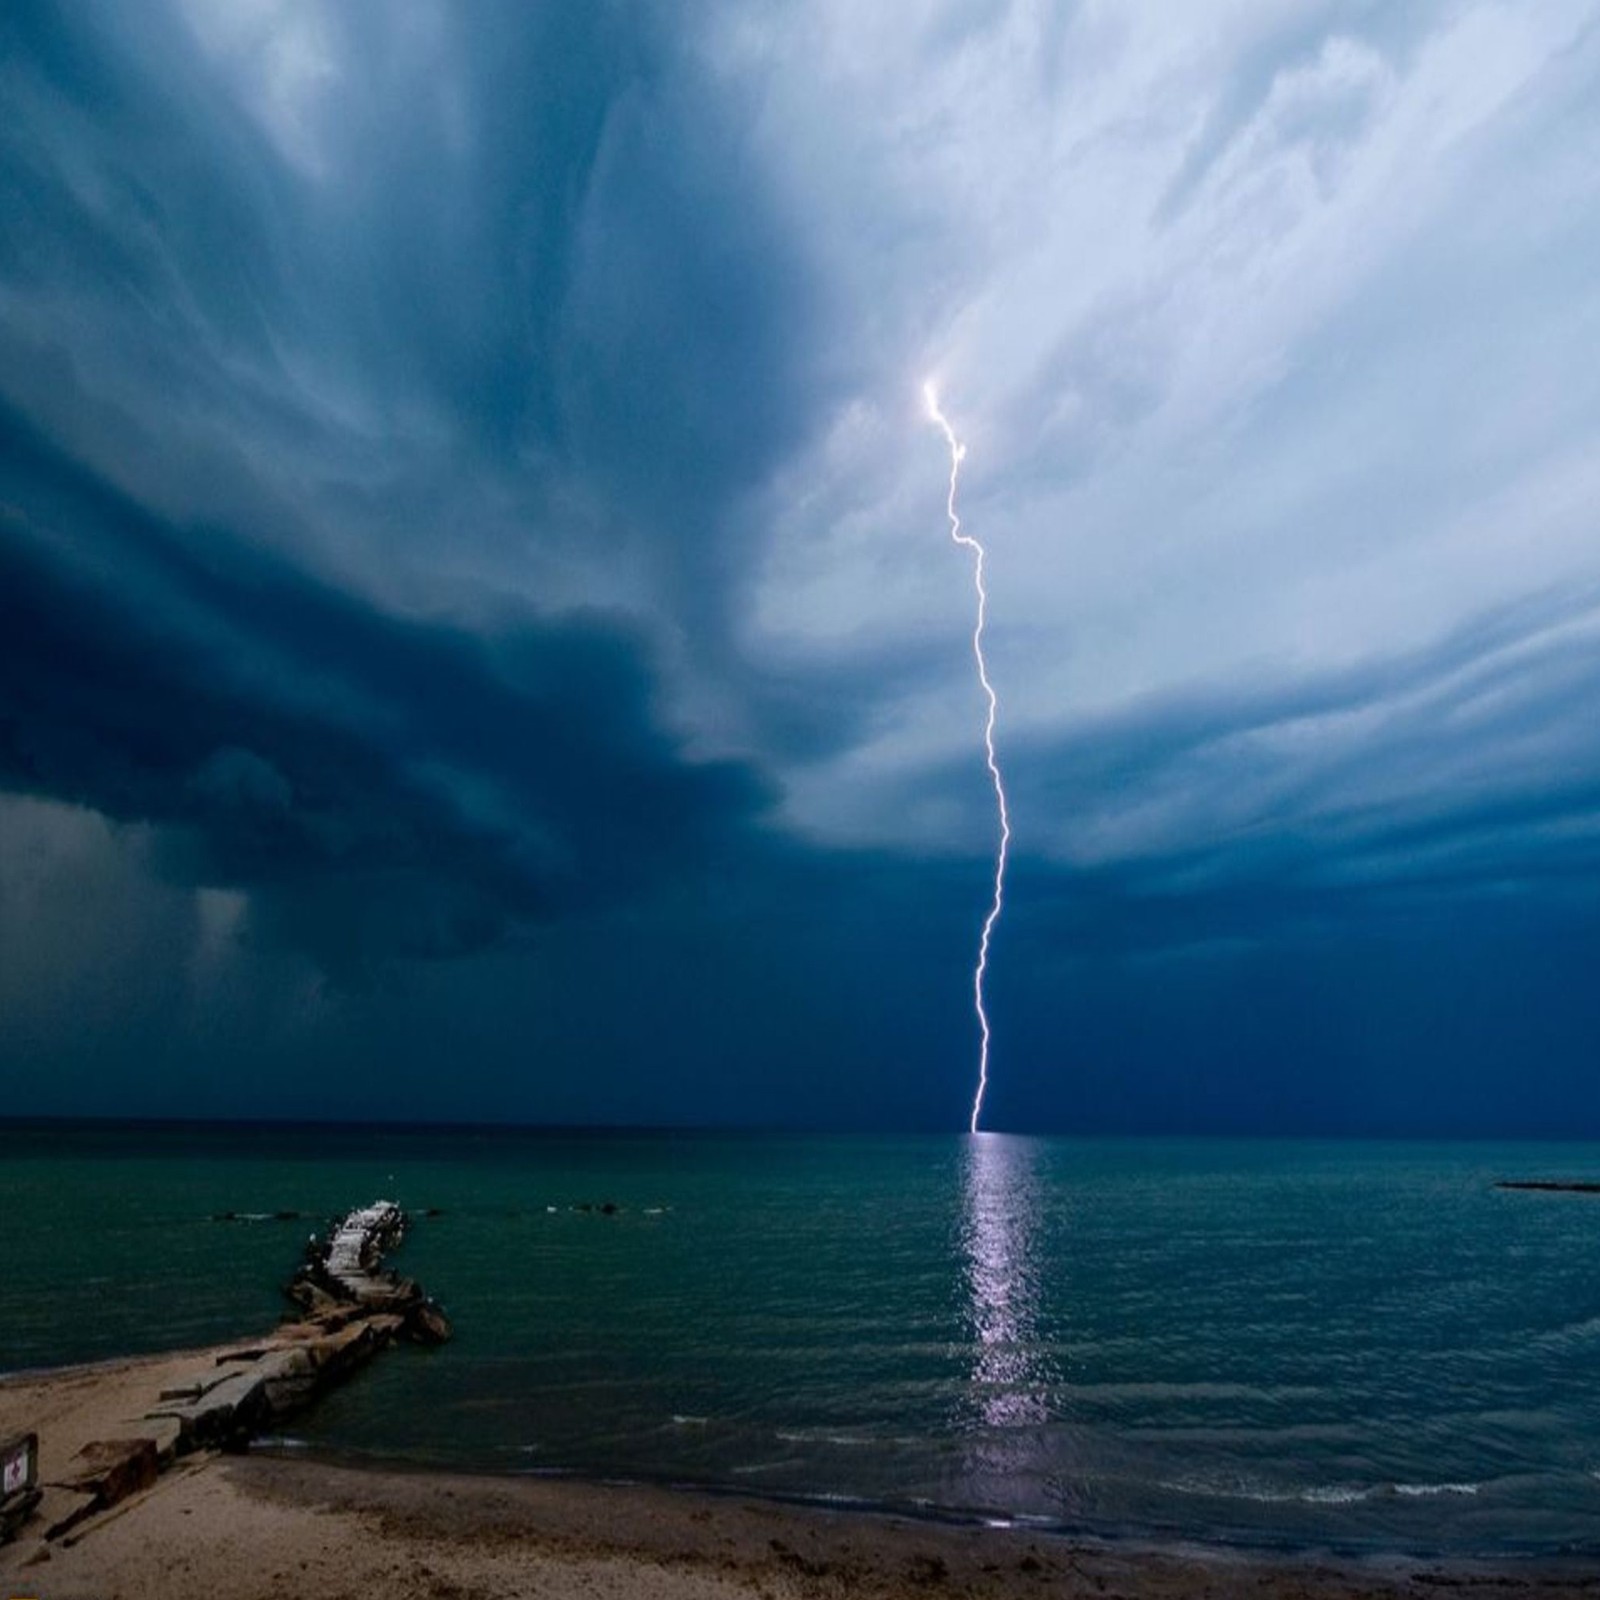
1000	1208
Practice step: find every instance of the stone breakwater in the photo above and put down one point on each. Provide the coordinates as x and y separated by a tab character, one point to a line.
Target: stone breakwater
344	1272
347	1309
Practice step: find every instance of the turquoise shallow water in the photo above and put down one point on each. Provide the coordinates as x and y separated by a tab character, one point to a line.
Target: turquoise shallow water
1359	1344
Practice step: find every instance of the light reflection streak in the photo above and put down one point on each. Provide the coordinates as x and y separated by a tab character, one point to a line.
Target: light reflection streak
1000	1192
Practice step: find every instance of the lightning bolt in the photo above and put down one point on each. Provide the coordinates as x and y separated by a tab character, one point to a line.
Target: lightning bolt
958	453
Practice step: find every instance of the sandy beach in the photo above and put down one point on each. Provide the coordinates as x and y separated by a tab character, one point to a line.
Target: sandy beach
246	1527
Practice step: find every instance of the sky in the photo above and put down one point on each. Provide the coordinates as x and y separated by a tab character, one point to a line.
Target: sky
479	634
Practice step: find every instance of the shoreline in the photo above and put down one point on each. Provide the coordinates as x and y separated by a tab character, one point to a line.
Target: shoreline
246	1526
239	1527
1111	1538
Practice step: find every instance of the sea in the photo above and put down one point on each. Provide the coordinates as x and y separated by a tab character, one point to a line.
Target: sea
1362	1347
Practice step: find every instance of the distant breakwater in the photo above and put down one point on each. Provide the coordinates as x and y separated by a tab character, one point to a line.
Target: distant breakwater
1549	1185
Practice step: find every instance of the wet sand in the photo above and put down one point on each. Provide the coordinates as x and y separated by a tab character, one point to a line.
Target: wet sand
249	1527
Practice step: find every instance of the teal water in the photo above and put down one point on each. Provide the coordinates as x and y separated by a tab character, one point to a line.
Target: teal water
1365	1345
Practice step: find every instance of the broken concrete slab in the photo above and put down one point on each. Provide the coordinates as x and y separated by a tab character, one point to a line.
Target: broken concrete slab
112	1469
162	1432
226	1412
339	1352
288	1378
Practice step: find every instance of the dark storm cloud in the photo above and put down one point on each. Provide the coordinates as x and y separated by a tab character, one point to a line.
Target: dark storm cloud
462	493
527	253
387	785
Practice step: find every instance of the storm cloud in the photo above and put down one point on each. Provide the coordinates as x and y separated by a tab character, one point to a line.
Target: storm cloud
474	585
399	783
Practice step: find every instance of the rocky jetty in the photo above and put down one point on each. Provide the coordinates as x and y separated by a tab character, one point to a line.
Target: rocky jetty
344	1271
348	1308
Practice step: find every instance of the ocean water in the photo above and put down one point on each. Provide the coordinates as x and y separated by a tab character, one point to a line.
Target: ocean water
1365	1346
